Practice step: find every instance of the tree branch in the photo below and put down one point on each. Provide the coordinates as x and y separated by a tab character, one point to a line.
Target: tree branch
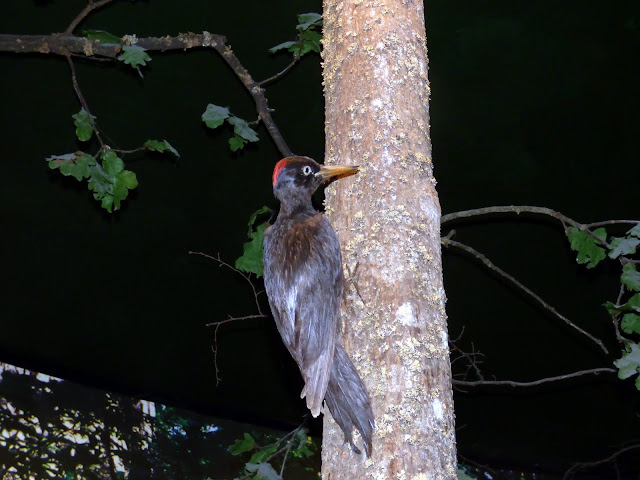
611	457
91	6
446	242
280	73
65	44
518	209
510	383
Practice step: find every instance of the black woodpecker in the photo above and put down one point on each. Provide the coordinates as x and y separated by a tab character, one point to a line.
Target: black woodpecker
304	282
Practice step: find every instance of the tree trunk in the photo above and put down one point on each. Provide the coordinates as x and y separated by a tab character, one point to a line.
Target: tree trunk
388	222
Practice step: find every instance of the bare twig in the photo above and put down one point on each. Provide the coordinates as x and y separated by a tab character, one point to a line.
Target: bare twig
594	463
491	266
510	383
472	362
91	6
352	279
615	317
611	222
518	209
280	73
247	277
289	444
127	152
235	319
83	102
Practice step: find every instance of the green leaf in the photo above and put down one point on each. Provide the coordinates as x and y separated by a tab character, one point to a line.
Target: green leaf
214	115
623	246
242	129
262	455
82	121
310	42
111	163
263	471
242	445
236	143
101	36
252	219
134	55
583	243
282	46
633	305
304	445
72	164
630	323
306	20
308	39
629	364
635	231
125	180
630	277
253	251
100	182
160	146
110	183
107	203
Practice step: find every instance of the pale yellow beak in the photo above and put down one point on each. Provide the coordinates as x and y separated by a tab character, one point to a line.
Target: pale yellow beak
336	171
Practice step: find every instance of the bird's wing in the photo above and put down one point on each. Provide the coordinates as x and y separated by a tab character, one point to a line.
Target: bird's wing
320	284
305	291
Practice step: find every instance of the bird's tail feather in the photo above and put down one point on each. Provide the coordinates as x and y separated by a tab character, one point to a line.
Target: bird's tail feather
348	400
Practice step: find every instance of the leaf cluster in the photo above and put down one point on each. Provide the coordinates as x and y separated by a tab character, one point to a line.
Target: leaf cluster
297	443
105	172
308	39
592	248
215	115
251	261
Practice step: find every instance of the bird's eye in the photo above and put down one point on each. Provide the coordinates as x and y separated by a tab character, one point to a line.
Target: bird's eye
306	170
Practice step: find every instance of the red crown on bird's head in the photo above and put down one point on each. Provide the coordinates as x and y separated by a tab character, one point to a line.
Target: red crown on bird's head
279	166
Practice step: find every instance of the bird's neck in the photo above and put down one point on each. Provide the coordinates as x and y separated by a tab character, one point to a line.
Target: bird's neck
295	212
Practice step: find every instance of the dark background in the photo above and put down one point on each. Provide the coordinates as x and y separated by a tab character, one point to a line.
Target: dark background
532	103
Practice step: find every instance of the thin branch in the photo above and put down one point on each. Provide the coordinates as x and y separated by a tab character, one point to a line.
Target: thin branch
234	319
91	6
289	445
127	152
611	222
83	102
491	266
257	92
472	363
247	277
594	463
615	317
518	209
511	383
65	44
279	74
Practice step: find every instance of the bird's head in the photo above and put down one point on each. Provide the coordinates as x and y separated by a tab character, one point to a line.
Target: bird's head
299	177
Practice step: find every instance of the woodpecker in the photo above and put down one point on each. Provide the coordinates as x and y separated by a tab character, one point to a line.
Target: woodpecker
304	282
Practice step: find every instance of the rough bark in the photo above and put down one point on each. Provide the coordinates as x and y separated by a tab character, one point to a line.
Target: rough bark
388	221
